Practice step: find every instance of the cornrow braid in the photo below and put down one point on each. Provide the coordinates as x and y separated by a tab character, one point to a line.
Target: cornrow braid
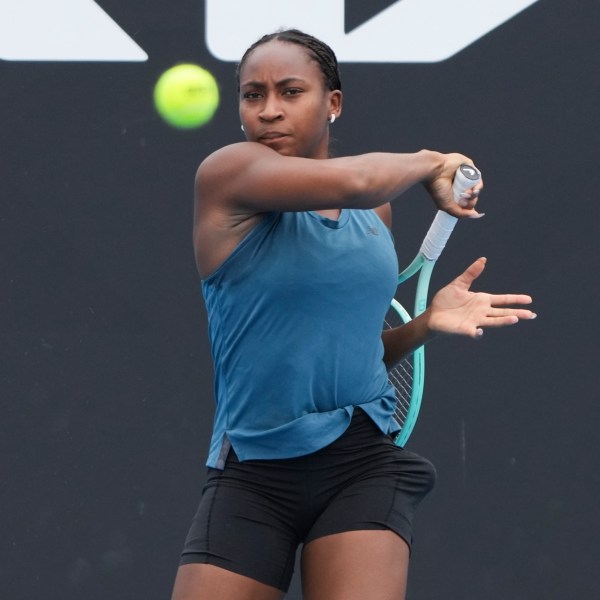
319	51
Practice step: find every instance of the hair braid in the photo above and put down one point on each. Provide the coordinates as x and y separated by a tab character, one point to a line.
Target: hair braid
319	51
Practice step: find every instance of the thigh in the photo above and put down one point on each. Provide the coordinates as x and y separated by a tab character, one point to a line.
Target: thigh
381	491
355	565
207	582
244	526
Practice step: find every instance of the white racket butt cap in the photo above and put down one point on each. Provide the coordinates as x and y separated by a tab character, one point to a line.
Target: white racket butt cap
465	178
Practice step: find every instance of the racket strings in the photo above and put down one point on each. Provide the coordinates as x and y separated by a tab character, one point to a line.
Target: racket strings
401	376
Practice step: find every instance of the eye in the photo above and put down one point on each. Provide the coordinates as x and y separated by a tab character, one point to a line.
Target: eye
292	91
251	95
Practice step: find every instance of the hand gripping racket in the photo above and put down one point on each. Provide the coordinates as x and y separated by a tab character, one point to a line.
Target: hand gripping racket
408	376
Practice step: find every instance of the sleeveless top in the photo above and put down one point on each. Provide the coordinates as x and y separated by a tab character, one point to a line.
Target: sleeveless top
295	317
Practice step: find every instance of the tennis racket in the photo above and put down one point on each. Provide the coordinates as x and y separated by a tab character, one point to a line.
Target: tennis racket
408	376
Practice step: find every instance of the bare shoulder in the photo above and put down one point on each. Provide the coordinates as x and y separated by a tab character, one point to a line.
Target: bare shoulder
227	163
219	222
220	158
230	176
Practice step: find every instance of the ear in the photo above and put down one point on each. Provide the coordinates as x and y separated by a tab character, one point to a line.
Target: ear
335	103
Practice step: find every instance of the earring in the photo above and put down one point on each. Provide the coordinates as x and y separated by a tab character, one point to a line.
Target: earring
242	128
332	118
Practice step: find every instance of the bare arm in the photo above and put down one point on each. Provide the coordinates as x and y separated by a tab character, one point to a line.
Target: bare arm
403	340
251	178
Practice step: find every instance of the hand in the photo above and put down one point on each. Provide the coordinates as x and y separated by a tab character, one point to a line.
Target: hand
440	189
457	310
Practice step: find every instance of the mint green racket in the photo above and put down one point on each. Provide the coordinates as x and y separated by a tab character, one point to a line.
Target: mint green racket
408	376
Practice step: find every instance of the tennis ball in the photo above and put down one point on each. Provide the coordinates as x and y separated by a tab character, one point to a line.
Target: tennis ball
186	96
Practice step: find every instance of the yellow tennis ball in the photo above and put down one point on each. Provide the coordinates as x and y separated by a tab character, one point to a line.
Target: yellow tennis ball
186	96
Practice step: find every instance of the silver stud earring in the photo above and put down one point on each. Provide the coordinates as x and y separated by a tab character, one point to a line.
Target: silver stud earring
332	118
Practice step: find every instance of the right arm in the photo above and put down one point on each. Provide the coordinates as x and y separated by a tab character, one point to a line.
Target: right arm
251	178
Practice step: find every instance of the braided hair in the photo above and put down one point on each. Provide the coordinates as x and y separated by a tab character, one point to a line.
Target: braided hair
318	51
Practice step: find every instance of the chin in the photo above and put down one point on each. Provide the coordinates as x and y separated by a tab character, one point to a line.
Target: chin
280	147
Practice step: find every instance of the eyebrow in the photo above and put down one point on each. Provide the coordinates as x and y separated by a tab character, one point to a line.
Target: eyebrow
281	83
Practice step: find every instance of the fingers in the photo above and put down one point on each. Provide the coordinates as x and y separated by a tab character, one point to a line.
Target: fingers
500	314
503	317
464	213
440	188
519	313
508	319
472	272
458	310
464	207
506	299
469	198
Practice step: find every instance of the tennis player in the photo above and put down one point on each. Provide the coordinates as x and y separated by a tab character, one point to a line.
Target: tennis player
298	268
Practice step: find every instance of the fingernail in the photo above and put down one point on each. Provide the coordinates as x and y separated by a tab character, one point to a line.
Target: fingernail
465	195
533	316
476	215
462	203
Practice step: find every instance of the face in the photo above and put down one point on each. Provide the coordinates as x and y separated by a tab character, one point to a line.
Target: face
284	103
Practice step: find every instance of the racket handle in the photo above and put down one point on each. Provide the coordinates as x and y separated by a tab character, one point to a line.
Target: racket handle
435	241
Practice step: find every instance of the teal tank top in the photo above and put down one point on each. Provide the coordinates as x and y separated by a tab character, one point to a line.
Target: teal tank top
295	316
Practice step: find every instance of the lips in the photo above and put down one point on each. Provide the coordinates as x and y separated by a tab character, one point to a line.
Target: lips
272	135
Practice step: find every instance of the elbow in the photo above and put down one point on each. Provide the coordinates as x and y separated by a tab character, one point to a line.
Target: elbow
359	188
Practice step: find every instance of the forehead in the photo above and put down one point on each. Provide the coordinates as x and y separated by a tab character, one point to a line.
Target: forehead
277	60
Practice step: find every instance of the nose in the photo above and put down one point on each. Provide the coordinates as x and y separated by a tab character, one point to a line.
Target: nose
271	108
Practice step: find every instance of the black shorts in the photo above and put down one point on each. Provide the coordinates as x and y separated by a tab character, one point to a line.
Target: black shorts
254	514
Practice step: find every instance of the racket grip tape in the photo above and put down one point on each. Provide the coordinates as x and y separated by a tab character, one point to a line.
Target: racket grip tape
435	241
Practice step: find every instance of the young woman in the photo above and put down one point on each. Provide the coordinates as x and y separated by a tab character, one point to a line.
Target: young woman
296	287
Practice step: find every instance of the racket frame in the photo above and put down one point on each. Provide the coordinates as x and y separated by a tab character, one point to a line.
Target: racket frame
433	244
424	267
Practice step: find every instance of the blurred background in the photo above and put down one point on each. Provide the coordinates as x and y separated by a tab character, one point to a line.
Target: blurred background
105	368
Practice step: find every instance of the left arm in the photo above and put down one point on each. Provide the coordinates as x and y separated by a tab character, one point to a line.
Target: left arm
456	310
400	341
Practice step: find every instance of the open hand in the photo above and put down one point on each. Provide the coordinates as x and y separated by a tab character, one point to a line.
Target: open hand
457	310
